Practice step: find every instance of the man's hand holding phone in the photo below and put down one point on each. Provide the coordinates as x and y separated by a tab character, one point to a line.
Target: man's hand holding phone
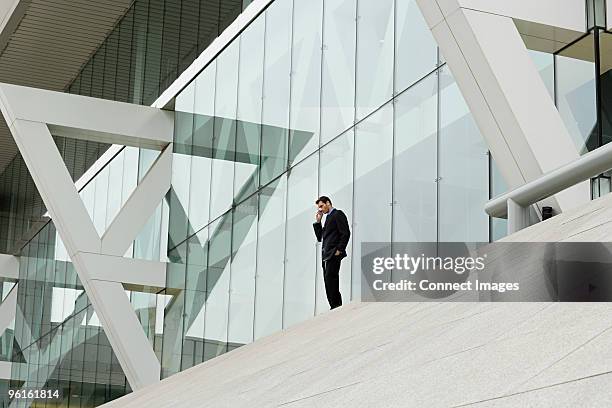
319	215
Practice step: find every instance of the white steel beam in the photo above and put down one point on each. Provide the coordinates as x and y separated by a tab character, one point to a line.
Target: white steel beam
32	116
55	186
82	117
503	88
139	206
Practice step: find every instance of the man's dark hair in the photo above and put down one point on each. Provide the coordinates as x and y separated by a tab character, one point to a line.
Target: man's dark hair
323	199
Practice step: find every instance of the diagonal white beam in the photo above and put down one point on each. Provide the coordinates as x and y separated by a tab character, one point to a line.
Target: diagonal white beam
82	117
112	123
122	328
139	206
55	186
505	93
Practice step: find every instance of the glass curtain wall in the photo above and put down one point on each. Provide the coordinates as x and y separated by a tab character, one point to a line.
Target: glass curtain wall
21	206
151	45
336	97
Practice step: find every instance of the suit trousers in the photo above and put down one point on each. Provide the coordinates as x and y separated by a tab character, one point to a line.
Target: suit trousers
331	275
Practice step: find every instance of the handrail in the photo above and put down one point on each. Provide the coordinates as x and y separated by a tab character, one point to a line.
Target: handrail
515	203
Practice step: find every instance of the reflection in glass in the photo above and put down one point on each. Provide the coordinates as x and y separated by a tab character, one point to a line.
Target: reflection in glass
173	313
194	297
224	140
375	49
270	258
372	186
544	63
242	285
202	147
575	72
338	68
499	226
415	164
217	286
250	88
416	52
605	43
305	79
299	292
178	198
463	162
276	90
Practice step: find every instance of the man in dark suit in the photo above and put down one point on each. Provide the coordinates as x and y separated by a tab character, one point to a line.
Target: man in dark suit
334	235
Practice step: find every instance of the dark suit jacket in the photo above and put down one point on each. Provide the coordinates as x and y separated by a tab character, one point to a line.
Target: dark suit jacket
335	235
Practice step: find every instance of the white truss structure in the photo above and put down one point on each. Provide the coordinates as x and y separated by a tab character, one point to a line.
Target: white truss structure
33	116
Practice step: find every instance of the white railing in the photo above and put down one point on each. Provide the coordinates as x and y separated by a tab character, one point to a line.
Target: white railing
515	204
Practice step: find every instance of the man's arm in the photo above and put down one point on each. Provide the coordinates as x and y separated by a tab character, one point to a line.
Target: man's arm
343	230
318	230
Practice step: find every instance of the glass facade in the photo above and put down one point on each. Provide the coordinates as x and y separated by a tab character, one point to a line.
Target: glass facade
21	206
151	45
344	98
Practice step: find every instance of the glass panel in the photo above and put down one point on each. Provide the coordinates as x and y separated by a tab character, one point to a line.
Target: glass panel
250	88
97	75
338	68
575	72
124	51
217	286
596	13
300	274
224	141
179	199
141	25
375	51
170	44
605	41
276	90
336	182
415	163
183	117
115	187
152	66
202	148
110	65
372	195
544	63
305	79
147	243
188	26
174	311
463	163
416	52
99	214
270	258
242	285
181	164
195	297
499	226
